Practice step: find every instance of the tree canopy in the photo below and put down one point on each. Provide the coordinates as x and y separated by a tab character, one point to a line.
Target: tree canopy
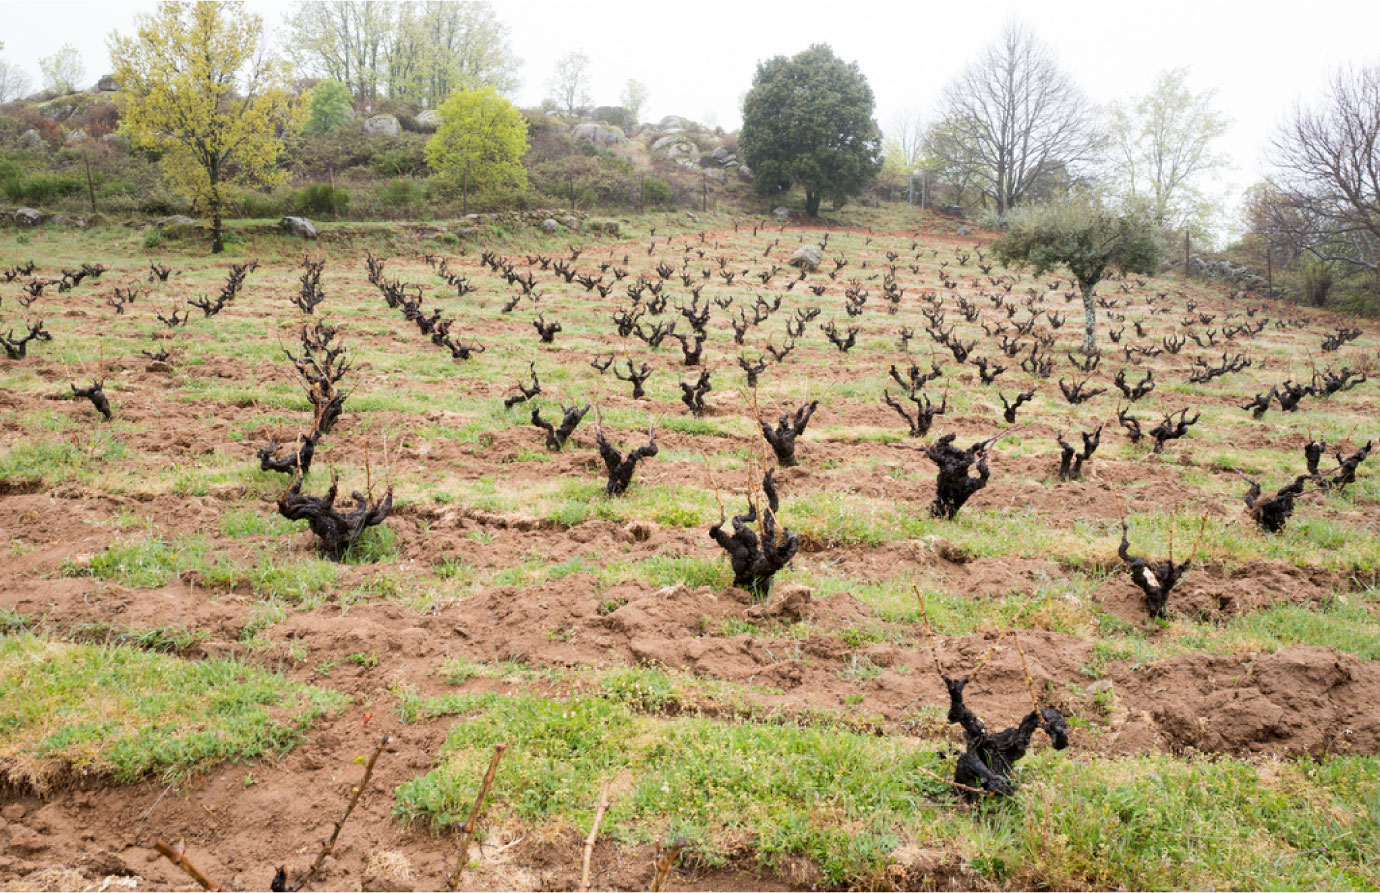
198	87
404	50
1162	150
63	71
479	144
329	107
808	120
1086	237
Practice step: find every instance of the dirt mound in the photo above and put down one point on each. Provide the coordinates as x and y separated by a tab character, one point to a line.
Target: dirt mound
1210	593
1304	699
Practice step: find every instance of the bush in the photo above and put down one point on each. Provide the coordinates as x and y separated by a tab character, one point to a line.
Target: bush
259	205
657	192
401	193
322	198
41	188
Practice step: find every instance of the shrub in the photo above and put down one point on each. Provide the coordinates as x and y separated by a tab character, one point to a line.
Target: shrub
322	198
402	193
656	191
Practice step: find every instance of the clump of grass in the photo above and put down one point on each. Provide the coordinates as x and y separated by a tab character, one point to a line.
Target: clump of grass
127	713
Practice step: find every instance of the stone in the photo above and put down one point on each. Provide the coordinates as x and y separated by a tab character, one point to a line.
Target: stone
570	222
299	226
674	124
177	220
29	217
965	230
807	257
598	135
74	137
107	84
428	120
31	141
549	225
70	220
382	125
614	114
781	213
56	111
608	227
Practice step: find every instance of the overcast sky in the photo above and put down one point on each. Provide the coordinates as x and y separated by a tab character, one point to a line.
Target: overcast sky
697	58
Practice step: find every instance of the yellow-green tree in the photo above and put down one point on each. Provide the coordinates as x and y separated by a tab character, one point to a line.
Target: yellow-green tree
198	87
480	143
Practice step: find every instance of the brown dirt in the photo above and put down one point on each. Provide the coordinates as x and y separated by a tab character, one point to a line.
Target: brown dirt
1300	700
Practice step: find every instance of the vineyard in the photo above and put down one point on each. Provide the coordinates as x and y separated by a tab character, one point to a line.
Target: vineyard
759	555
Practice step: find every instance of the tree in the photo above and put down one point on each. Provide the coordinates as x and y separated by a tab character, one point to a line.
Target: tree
198	86
1015	118
1162	149
808	120
329	107
480	143
633	98
569	82
1327	182
404	50
1089	239
63	71
14	83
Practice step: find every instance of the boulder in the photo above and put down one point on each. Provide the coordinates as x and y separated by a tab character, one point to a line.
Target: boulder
598	135
75	137
965	230
70	220
107	84
549	225
382	125
31	141
674	124
608	227
56	111
781	213
176	220
678	148
29	217
807	257
301	226
614	114
428	120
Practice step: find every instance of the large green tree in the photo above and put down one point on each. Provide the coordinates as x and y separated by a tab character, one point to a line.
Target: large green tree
808	120
198	87
480	143
1086	237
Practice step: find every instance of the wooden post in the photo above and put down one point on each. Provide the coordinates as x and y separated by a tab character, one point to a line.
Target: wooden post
1187	248
465	191
642	196
335	211
90	184
1270	270
704	191
571	182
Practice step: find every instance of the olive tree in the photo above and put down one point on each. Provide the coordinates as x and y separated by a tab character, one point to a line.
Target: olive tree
1086	237
808	120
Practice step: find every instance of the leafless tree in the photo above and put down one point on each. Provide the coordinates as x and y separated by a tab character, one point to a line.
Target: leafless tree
1016	118
569	82
1327	184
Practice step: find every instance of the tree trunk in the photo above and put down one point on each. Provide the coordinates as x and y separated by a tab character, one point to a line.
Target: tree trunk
217	246
1089	320
812	200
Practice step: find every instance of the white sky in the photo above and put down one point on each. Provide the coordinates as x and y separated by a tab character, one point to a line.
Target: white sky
697	58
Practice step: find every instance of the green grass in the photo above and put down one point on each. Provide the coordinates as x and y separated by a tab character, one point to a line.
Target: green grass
82	709
849	801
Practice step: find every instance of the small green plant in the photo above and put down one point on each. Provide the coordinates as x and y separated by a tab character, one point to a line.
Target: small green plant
320	199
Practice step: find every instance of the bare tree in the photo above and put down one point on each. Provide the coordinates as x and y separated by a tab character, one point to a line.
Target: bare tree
905	139
14	83
1327	183
1016	119
569	83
